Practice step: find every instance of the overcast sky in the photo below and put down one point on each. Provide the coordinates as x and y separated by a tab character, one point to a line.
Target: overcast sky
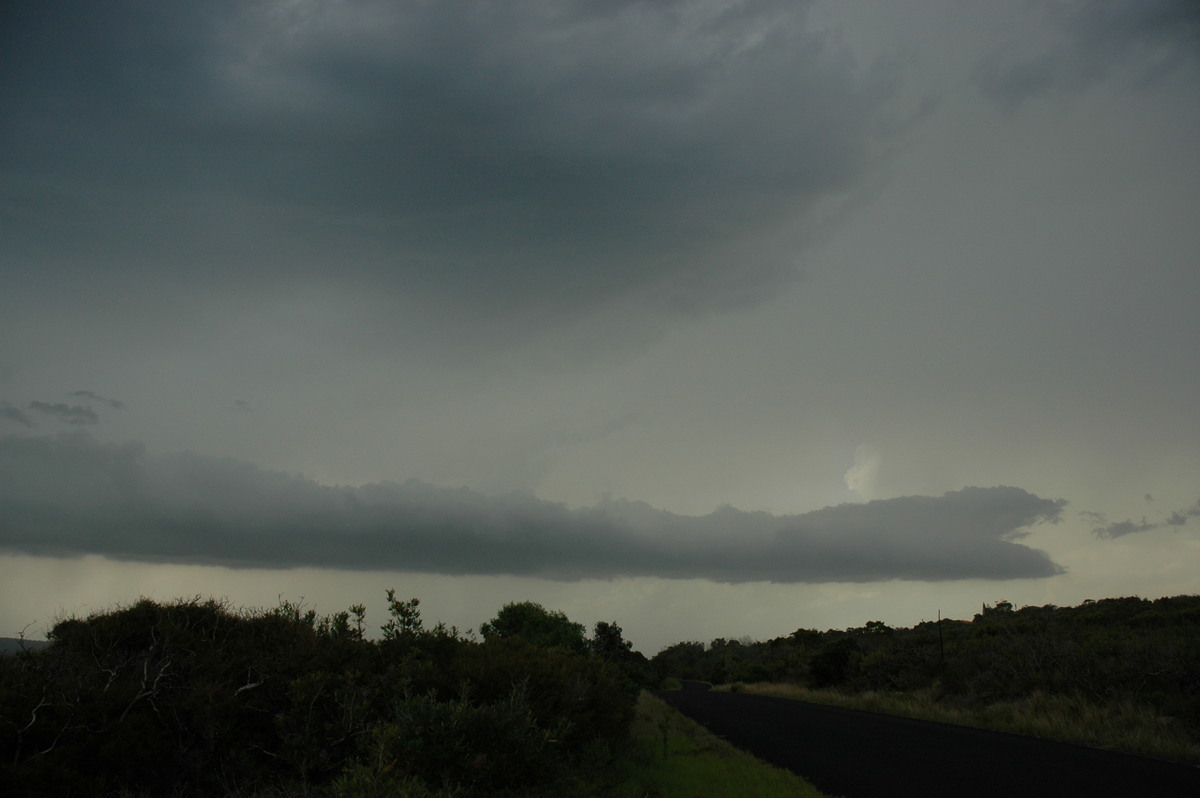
708	318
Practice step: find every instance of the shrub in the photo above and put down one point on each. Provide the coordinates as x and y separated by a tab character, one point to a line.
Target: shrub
831	665
459	745
192	697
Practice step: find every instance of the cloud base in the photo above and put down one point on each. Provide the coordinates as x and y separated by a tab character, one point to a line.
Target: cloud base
70	495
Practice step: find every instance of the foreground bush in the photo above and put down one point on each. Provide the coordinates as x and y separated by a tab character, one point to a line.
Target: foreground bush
194	698
456	745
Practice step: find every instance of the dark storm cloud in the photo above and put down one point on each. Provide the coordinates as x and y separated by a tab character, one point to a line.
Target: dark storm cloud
491	157
1097	37
70	495
1128	527
71	414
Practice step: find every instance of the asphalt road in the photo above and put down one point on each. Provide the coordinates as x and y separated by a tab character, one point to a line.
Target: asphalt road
858	754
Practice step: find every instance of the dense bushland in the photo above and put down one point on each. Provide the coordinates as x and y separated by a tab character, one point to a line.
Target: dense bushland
1119	651
195	698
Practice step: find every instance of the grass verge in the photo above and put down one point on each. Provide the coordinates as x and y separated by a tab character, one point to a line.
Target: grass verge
671	756
1119	726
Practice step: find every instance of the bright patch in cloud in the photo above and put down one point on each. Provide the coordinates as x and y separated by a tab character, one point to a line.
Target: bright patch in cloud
863	475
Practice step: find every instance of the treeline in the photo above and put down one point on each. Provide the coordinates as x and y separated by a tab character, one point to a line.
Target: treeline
195	698
1118	649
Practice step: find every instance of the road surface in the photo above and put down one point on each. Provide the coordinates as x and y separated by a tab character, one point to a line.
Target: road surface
857	754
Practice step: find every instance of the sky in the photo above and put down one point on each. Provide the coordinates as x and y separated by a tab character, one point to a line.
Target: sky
713	319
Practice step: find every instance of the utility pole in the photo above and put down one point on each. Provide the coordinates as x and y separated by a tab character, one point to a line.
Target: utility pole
941	644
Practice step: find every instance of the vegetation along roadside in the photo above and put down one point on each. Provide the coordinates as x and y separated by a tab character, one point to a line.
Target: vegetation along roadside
195	698
1121	673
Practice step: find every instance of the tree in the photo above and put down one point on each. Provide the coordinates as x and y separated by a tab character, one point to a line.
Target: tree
608	644
831	665
405	621
533	623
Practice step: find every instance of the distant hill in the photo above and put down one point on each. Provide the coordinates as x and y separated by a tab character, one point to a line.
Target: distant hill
8	644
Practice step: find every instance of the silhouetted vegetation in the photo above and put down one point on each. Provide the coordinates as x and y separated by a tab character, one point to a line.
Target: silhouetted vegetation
1130	652
195	698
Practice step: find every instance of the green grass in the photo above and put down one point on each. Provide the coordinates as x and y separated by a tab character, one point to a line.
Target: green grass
671	756
1119	726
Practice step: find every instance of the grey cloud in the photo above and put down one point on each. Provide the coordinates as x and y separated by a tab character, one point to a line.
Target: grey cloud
115	404
71	414
1180	517
1146	38
493	158
15	414
72	495
1128	527
1121	528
